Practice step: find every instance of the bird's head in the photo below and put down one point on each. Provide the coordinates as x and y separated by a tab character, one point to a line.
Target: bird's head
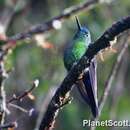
83	32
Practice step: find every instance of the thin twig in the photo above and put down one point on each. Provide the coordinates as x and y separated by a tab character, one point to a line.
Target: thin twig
112	75
119	88
3	108
25	93
66	86
41	28
29	112
18	107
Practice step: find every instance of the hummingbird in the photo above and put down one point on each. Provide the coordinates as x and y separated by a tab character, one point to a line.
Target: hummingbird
87	81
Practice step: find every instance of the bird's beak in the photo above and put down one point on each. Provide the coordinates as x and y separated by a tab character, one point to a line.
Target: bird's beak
78	23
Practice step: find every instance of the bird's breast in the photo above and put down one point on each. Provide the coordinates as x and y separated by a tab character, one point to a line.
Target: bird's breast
74	53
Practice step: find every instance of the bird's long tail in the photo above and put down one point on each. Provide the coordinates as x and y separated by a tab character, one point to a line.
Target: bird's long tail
89	91
91	94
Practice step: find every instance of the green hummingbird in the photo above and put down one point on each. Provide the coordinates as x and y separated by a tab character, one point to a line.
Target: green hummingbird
87	83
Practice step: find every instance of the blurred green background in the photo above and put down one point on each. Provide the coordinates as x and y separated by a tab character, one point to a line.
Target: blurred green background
41	58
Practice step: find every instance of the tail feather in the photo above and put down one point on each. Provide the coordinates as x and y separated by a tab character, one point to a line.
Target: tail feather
90	83
91	95
87	87
82	91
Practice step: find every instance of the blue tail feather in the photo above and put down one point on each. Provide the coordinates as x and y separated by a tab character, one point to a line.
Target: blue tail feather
90	84
91	94
87	88
82	91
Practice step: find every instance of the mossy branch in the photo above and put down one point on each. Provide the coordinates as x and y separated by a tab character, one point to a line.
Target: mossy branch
62	92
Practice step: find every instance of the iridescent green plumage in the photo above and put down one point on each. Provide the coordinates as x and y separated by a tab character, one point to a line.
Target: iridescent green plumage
74	52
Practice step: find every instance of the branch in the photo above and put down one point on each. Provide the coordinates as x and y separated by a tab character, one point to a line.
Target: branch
111	77
24	94
66	86
6	18
119	86
3	108
41	28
